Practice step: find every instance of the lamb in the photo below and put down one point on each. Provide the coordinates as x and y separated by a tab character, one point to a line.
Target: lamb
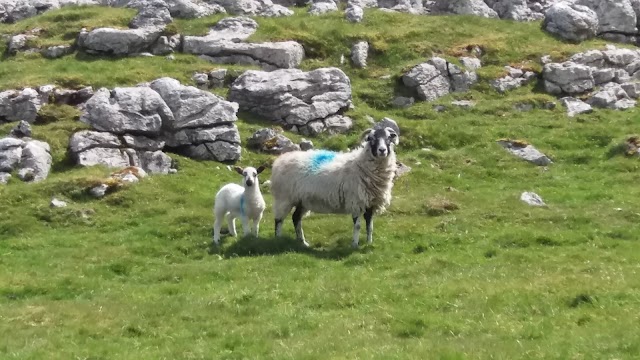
356	182
244	201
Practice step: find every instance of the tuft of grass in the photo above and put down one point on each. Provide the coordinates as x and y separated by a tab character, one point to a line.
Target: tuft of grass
438	206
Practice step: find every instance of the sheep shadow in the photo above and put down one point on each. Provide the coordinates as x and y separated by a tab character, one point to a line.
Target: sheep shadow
250	246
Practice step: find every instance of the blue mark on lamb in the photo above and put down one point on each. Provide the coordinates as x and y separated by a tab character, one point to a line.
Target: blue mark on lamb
319	158
242	205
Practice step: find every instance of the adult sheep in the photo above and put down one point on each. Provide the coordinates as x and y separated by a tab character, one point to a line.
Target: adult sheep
356	182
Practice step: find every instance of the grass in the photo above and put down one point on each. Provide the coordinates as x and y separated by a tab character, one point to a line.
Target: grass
460	267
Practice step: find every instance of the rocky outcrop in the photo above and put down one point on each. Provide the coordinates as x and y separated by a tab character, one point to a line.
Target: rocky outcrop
132	126
30	158
437	77
202	123
311	101
608	78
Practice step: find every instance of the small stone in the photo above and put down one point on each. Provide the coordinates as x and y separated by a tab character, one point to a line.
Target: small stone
130	178
216	78
439	108
26	174
23	129
99	191
4	178
306	145
465	104
532	199
575	106
546	59
403	102
173	171
57	203
170	57
201	80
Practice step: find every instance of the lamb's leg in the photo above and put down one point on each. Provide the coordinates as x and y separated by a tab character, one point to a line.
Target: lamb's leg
231	223
245	224
368	218
256	225
216	230
297	223
356	231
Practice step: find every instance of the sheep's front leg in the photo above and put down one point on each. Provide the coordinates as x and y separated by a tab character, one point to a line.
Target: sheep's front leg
368	218
297	223
356	231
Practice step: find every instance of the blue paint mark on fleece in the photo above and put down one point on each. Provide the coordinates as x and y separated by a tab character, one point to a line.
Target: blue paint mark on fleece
242	204
319	158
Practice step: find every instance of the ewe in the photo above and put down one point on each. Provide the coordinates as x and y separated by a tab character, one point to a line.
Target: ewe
321	181
244	201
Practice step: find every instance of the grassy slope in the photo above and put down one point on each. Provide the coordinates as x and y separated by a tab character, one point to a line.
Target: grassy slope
494	279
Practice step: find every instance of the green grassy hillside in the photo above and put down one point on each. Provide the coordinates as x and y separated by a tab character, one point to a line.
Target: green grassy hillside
131	276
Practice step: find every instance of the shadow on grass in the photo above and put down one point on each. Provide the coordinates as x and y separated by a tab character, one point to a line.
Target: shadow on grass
252	246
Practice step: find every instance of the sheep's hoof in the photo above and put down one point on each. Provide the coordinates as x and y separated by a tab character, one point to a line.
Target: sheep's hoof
305	244
354	245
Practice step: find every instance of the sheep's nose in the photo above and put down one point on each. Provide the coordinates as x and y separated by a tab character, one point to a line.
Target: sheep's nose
249	182
382	151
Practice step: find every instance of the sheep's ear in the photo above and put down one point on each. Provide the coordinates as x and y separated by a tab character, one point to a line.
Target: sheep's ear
394	136
238	169
366	134
260	169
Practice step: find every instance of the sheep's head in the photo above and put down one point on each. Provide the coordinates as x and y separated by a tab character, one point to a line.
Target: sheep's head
249	174
380	141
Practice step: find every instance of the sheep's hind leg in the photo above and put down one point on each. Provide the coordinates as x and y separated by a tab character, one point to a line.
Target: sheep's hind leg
280	211
356	231
297	223
368	218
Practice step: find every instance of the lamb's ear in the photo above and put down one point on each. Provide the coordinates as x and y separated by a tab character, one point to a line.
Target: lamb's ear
394	136
366	134
260	169
238	169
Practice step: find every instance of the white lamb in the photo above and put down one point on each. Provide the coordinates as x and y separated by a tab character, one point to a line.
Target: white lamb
244	201
322	181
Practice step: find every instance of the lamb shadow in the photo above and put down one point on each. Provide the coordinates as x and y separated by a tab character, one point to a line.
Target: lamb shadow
251	246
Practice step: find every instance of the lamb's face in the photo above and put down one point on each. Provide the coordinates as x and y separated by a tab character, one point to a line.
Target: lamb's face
381	141
249	175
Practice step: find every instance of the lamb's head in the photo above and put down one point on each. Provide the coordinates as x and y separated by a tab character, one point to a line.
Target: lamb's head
249	174
381	141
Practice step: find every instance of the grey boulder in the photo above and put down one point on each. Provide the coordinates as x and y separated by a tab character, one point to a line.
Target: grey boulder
123	110
16	105
571	21
526	152
291	96
118	42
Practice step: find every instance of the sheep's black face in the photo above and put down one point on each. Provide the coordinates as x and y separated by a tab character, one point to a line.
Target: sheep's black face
249	174
381	141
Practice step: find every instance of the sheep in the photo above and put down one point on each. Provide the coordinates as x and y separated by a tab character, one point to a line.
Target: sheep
356	182
244	201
